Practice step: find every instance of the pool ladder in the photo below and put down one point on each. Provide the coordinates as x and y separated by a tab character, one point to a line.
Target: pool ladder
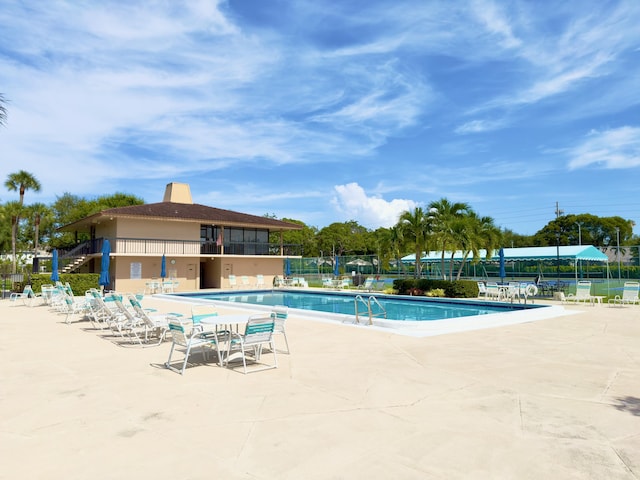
368	304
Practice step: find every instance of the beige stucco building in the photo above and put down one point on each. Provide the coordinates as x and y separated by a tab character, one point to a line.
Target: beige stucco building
202	245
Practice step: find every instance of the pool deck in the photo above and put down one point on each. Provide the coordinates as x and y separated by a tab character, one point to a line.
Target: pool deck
554	398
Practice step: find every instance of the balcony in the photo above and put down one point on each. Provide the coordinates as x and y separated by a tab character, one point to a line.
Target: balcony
157	247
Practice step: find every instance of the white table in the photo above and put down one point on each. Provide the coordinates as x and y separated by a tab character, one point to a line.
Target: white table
227	322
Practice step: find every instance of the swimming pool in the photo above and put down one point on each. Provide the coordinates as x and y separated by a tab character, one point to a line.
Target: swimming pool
467	316
391	307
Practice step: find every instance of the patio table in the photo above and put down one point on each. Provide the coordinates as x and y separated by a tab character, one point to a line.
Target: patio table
220	323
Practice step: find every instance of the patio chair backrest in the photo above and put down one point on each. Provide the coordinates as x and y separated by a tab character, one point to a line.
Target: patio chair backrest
259	329
630	290
199	312
280	313
583	289
178	334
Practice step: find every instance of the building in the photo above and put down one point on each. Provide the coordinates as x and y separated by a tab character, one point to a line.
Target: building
202	245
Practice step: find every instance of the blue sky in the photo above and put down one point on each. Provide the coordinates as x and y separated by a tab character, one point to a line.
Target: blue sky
329	111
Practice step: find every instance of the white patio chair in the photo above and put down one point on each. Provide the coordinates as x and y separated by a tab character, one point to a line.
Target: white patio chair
583	293
180	338
281	313
482	289
258	332
629	295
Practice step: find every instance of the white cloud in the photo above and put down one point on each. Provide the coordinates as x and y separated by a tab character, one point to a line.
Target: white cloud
352	202
478	126
615	148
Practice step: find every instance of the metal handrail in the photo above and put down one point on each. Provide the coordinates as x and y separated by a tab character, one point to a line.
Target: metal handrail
382	311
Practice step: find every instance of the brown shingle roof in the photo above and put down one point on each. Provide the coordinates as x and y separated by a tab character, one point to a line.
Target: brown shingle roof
194	212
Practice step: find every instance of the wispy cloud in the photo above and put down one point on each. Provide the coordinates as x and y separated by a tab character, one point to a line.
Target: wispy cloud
615	148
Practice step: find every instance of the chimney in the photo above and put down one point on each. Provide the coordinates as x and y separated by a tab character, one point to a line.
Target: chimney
177	193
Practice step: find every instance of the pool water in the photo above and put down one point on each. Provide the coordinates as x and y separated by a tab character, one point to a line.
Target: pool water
397	308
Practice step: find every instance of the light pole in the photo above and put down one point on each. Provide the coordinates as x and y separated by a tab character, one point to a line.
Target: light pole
580	243
618	249
558	261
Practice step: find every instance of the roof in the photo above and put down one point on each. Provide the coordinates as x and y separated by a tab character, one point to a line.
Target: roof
188	212
569	252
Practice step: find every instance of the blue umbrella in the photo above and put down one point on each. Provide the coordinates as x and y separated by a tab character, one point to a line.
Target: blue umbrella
163	267
54	266
501	255
287	267
104	265
336	267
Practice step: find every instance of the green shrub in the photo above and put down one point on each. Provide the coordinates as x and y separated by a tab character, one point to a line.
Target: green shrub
451	289
436	292
79	282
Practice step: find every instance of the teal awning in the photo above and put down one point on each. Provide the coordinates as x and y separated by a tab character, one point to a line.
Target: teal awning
570	252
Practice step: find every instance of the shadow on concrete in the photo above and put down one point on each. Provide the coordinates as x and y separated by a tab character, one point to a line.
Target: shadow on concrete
628	404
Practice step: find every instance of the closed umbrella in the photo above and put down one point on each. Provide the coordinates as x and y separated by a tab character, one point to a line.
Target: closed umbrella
104	264
287	267
54	266
163	267
336	267
501	256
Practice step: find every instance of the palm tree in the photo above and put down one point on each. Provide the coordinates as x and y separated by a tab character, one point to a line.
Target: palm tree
36	212
3	110
479	233
415	230
20	181
13	210
443	214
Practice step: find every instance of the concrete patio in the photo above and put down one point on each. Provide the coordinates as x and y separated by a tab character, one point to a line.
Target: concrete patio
556	398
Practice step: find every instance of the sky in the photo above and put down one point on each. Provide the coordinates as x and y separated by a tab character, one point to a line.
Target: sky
329	111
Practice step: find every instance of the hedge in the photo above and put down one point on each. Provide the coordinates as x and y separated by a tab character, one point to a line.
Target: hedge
79	282
452	289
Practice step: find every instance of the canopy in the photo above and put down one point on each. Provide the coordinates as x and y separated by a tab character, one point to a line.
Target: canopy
570	252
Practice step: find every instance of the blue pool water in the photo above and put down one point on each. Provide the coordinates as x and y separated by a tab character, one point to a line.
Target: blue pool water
397	308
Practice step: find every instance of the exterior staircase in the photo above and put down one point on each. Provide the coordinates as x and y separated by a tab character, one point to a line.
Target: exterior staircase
76	263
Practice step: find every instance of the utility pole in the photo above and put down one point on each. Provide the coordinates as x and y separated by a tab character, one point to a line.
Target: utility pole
558	211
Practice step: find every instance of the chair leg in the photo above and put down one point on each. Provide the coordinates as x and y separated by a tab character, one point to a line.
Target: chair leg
286	342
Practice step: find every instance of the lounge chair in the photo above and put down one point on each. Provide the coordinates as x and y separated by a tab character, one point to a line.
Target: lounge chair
260	281
368	285
233	282
245	281
155	326
482	289
27	296
629	296
583	293
492	291
258	332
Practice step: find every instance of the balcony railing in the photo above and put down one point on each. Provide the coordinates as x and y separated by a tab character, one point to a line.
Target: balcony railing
137	246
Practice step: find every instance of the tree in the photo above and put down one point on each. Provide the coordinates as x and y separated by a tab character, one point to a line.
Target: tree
305	237
586	229
20	181
444	214
3	110
341	238
13	211
476	233
415	230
